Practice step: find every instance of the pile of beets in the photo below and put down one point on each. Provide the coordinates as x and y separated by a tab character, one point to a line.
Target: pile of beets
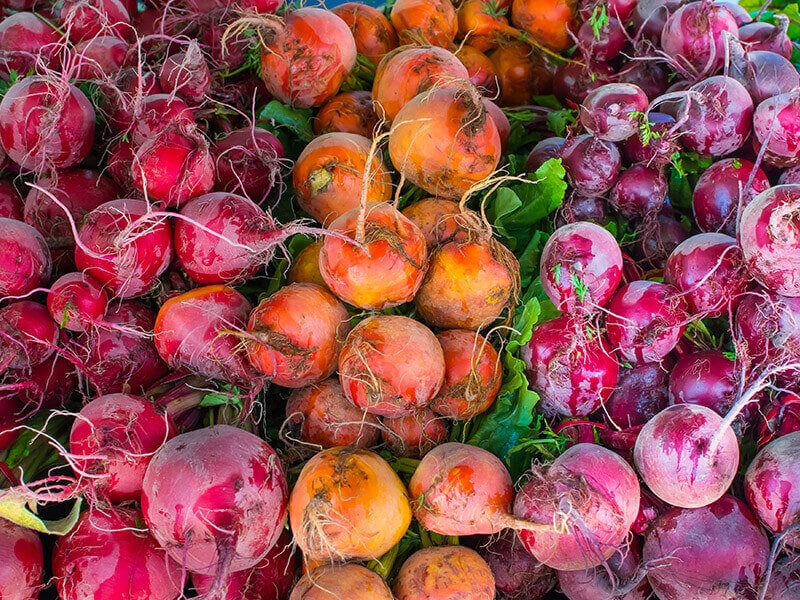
259	290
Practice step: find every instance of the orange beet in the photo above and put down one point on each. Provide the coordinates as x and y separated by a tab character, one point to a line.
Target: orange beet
305	266
546	21
321	414
469	285
439	220
425	22
391	366
348	112
444	141
373	33
445	573
409	70
484	23
308	58
295	335
460	489
480	69
473	375
522	73
348	504
388	273
329	174
413	436
336	582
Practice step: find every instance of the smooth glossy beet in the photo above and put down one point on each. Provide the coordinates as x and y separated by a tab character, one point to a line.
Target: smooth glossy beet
592	164
640	192
708	269
572	369
717	552
715	200
581	267
772	485
693	34
673	454
707	378
645	321
612	111
769	234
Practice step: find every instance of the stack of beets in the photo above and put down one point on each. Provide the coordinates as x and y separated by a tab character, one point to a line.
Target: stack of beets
246	257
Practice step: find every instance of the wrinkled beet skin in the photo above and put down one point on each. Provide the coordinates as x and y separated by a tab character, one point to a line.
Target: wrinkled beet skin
717	552
582	253
645	321
21	562
715	200
672	456
709	269
104	559
517	575
769	485
573	372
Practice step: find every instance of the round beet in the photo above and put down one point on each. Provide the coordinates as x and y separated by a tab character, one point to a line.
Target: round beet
121	356
708	269
770	239
21	562
622	579
767	324
592	164
580	267
113	439
777	127
11	203
717	552
593	496
685	457
572	369
473	374
46	124
640	192
216	499
612	111
248	162
295	335
28	336
413	436
769	486
109	555
25	258
645	321
380	374
124	249
715	200
76	301
707	378
641	393
694	35
321	414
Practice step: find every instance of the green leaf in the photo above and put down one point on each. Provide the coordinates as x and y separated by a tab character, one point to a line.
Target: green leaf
559	120
515	209
16	506
296	120
510	422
